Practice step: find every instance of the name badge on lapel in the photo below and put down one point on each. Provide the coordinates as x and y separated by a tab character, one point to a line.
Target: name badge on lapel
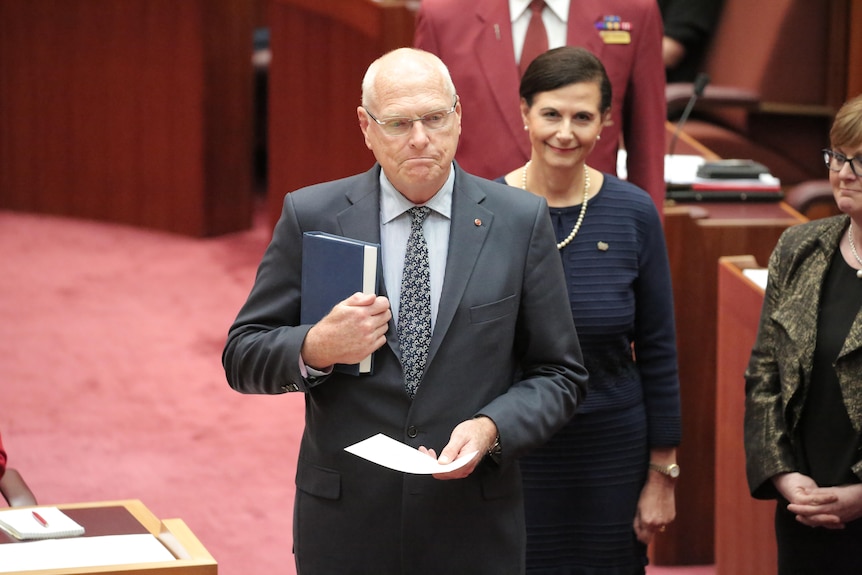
613	30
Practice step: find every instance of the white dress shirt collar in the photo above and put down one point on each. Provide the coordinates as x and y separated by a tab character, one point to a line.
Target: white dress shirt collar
560	8
393	203
395	229
555	18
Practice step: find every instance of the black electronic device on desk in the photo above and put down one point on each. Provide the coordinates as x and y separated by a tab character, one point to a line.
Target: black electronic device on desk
720	180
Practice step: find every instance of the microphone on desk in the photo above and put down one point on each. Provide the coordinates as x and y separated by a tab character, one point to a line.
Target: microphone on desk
699	86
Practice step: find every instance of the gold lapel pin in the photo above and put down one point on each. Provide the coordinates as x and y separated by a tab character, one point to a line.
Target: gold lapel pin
602	246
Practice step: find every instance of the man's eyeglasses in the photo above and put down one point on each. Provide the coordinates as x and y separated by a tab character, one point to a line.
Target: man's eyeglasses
836	160
401	126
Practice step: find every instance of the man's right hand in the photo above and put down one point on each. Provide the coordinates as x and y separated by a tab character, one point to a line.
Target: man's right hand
352	330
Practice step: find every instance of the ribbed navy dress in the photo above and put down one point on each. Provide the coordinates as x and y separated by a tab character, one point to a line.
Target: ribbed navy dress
582	487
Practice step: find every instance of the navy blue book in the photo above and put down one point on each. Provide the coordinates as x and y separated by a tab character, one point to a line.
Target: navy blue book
333	269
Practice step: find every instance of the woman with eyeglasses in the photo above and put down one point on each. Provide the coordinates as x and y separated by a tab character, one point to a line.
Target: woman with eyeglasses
803	415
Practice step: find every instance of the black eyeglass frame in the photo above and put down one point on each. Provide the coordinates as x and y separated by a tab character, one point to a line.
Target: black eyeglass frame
828	156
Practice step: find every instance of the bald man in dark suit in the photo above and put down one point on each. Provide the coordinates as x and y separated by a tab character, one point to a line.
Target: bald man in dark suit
503	371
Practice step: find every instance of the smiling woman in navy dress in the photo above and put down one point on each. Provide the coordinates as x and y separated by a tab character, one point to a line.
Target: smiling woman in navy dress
600	489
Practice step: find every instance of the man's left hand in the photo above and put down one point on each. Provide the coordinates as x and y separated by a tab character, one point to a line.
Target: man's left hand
477	434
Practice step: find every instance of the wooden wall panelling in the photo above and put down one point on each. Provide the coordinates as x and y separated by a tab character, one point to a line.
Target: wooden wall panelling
744	527
137	112
697	234
854	66
320	51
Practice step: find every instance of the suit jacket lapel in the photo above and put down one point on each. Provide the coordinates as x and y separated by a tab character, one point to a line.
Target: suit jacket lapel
831	237
466	238
847	368
798	312
495	52
362	221
799	316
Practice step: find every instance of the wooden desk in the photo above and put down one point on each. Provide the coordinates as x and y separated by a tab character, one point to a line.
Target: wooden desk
744	530
192	557
697	235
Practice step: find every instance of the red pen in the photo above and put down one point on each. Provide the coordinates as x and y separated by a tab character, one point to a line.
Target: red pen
40	519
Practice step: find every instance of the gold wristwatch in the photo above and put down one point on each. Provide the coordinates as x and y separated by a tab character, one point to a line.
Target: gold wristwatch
671	470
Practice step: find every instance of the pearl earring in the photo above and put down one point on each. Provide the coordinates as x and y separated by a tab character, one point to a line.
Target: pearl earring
525	127
599	137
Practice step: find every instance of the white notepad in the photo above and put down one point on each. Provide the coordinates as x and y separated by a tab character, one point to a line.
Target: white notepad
26	524
76	552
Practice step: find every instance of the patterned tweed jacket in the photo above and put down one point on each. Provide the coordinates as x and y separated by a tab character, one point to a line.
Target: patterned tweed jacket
779	372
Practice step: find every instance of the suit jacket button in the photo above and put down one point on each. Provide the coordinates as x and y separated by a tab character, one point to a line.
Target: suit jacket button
412	432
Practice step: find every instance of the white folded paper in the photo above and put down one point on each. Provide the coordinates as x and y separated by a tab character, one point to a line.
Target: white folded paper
385	451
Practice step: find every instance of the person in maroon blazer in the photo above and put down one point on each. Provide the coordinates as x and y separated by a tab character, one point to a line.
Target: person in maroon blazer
481	43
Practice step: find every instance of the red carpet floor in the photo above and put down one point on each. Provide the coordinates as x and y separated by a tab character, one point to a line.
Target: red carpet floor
111	384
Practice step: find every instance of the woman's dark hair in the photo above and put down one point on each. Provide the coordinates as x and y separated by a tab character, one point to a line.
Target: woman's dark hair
564	66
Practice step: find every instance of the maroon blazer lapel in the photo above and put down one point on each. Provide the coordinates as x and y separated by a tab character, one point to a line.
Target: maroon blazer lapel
495	52
581	26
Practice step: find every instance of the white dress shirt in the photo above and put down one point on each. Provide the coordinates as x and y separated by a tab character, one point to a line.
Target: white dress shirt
555	16
395	229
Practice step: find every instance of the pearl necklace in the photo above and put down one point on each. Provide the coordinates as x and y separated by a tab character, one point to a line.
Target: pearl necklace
853	249
577	227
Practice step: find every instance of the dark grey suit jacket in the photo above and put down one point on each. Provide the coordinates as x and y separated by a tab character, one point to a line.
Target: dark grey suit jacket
504	345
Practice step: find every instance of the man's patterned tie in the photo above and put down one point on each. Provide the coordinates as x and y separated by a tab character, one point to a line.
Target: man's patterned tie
414	312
